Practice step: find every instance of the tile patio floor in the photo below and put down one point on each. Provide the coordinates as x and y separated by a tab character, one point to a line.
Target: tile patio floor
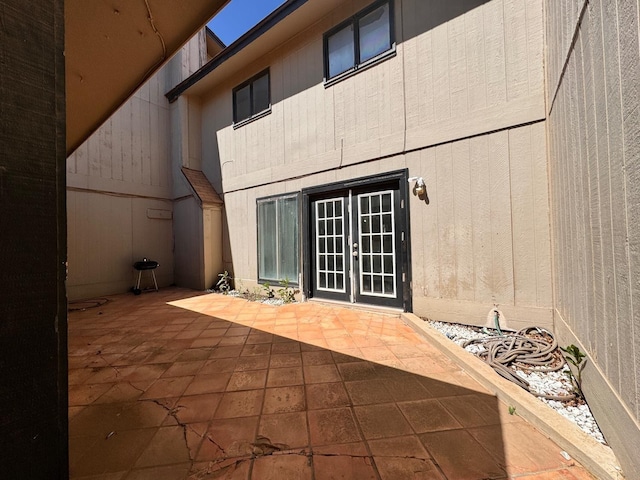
179	385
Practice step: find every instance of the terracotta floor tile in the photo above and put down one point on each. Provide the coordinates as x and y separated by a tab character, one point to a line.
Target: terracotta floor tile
343	467
238	331
181	369
166	447
79	375
326	395
207	342
193	354
356	371
252	363
228	438
167	387
377	353
240	404
232	341
213	332
288	429
87	394
473	410
460	456
316	357
247	380
282	360
284	399
408	446
321	374
188	335
197	408
335	425
228	470
146	372
449	384
116	454
367	392
216	382
405	351
303	366
279	467
119	393
255	338
230	351
256	349
354	449
281	377
405	387
407	469
171	472
218	365
381	421
109	374
340	343
428	416
101	420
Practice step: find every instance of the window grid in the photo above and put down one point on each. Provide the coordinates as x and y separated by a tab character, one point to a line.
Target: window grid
377	246
330	239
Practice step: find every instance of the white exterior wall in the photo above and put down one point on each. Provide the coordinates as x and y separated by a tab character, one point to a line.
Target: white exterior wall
119	189
458	104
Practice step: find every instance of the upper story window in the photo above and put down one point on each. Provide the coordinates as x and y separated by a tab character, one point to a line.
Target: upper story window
252	98
359	41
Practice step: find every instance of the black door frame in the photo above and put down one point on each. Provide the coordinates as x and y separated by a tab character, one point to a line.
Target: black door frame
399	180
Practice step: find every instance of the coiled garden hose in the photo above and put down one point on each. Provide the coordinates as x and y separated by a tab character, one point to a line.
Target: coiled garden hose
531	349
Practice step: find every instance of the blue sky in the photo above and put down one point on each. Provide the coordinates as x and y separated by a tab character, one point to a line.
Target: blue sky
239	16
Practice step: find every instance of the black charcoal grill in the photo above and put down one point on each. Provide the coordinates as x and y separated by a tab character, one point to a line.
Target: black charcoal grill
145	265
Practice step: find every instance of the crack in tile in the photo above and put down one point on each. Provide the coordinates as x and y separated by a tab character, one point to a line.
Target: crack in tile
173	413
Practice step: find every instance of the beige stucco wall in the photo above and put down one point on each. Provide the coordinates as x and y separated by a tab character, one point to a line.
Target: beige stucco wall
119	189
461	104
595	191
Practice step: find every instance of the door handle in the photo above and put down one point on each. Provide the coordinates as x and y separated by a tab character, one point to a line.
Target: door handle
354	252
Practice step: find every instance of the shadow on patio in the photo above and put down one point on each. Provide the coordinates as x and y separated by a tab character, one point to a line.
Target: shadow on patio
177	385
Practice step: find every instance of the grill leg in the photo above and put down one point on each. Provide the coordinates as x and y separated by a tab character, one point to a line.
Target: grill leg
153	272
138	282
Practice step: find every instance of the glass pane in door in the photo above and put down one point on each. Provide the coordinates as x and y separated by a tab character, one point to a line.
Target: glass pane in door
377	247
330	253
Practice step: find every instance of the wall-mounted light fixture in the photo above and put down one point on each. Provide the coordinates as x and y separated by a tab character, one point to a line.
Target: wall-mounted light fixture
419	188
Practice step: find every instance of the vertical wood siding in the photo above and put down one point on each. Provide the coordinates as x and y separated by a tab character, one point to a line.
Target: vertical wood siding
464	93
122	170
594	126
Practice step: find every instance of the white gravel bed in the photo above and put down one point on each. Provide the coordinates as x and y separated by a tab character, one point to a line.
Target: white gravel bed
550	383
268	301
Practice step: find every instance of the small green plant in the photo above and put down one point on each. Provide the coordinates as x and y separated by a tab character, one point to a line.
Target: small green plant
268	292
575	357
287	293
224	284
512	410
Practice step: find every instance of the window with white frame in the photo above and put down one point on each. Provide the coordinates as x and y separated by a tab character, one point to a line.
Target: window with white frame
252	98
278	239
359	41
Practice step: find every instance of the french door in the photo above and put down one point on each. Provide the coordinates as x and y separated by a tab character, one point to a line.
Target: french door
357	245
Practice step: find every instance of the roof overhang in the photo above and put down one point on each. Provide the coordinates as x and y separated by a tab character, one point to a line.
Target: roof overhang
112	47
291	18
